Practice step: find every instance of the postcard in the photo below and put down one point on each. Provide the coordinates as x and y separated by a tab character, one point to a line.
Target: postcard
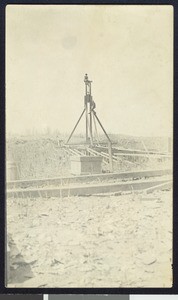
89	139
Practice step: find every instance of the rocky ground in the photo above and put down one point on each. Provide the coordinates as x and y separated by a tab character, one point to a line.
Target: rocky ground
109	241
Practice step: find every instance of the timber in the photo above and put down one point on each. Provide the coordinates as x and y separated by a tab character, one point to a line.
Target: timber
87	189
87	178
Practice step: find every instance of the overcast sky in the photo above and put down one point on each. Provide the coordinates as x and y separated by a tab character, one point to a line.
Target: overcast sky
126	50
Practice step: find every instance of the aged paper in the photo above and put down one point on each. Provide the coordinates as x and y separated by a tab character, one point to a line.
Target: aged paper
89	133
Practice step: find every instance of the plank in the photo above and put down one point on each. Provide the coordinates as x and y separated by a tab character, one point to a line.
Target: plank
87	178
84	189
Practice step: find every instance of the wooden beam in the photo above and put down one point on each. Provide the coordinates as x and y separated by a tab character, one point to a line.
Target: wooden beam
83	190
143	155
87	178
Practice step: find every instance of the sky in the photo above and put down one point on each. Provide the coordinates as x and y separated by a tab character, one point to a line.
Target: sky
127	51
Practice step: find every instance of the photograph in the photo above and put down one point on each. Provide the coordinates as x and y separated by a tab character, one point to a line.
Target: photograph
110	297
89	146
153	297
85	297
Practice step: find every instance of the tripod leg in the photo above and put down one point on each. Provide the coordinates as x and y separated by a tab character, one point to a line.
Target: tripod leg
90	128
75	126
97	136
102	126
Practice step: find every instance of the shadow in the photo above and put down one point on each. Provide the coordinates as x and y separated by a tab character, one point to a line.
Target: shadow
18	270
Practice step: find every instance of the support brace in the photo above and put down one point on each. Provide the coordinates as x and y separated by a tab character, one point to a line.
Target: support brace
75	126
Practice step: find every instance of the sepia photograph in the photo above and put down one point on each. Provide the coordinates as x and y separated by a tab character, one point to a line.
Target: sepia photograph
110	297
152	297
89	146
86	296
